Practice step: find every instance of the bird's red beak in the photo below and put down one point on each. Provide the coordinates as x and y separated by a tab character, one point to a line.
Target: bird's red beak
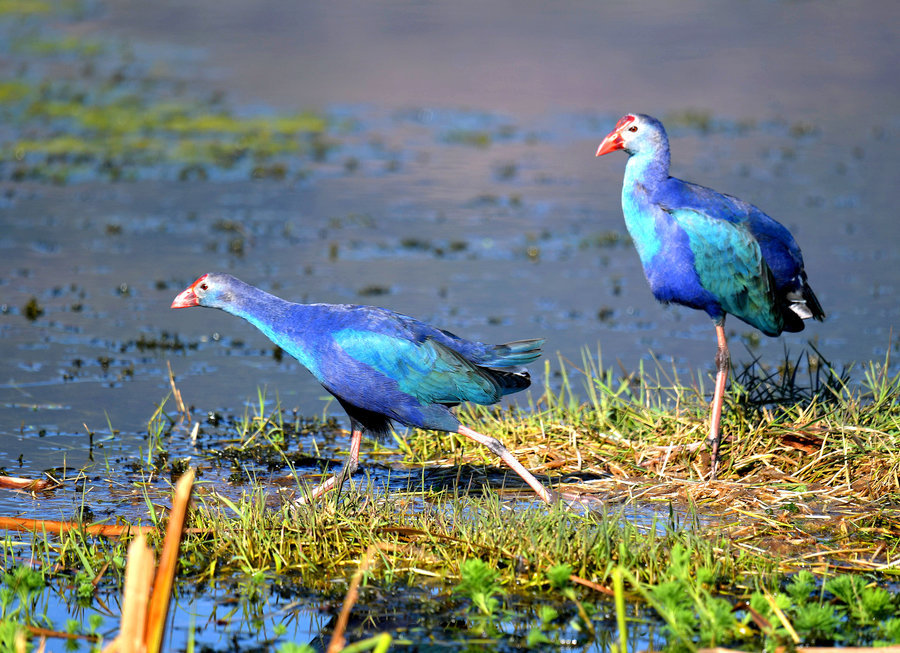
614	140
187	297
611	143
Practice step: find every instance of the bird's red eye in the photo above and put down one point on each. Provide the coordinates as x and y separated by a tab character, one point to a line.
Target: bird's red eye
633	128
203	286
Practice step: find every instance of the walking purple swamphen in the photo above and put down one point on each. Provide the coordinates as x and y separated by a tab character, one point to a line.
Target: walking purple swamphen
380	365
708	251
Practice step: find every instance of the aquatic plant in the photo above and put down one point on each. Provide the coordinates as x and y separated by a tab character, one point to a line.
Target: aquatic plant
79	125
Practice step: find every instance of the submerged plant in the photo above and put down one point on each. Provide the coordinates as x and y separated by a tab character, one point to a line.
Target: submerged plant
479	584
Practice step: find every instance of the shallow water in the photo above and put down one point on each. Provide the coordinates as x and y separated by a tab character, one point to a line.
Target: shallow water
462	189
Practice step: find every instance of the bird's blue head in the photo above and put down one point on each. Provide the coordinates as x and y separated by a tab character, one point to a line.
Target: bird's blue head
213	290
636	133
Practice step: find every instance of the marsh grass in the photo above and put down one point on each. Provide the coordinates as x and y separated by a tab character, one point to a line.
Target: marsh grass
649	555
819	438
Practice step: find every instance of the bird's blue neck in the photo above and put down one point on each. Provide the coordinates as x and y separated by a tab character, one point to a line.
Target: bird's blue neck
645	173
290	326
254	305
649	168
266	312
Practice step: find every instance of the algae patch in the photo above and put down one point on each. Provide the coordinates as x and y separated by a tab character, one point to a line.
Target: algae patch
124	120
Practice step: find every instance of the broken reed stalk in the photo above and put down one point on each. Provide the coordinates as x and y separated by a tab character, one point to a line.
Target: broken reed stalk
179	403
165	574
21	644
138	579
26	484
50	526
337	638
619	591
144	608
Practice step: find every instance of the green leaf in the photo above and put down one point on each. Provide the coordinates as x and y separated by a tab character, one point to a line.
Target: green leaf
817	623
479	583
802	585
889	631
535	637
547	613
559	575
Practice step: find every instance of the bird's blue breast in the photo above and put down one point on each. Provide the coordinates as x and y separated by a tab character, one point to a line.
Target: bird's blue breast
289	331
665	252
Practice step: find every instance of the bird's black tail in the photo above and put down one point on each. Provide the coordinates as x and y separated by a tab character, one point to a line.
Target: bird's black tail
812	303
510	381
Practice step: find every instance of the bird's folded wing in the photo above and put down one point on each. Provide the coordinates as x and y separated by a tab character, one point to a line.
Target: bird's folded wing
730	265
427	370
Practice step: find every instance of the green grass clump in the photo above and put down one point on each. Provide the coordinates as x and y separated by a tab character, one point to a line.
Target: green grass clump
702	588
24	7
810	438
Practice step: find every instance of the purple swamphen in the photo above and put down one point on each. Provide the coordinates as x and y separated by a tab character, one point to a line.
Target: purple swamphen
708	251
380	365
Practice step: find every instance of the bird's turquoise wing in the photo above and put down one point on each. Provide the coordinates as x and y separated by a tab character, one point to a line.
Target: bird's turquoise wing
427	370
730	265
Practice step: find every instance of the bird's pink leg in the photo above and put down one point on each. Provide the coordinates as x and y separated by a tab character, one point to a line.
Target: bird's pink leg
497	447
723	359
339	478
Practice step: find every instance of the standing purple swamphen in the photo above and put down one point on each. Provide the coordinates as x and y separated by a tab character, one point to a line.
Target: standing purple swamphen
708	251
380	365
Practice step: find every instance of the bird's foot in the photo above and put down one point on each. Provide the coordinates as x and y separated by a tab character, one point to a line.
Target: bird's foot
296	502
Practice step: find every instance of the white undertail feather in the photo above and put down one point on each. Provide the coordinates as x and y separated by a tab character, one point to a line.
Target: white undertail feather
798	305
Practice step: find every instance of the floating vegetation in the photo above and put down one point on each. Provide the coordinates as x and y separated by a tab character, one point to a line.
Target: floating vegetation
373	291
468	137
698	119
32	309
129	137
165	341
603	239
506	171
84	123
